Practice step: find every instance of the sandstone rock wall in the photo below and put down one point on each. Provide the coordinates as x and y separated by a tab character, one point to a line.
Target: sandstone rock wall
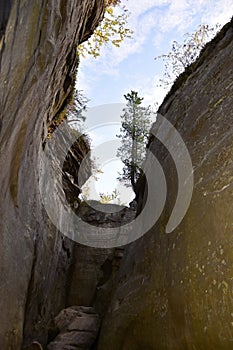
37	63
93	273
175	290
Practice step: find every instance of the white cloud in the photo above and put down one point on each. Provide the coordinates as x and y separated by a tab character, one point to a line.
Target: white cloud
161	21
160	17
149	89
218	12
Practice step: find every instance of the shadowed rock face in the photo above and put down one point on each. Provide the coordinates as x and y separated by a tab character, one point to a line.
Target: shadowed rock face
37	63
5	8
175	290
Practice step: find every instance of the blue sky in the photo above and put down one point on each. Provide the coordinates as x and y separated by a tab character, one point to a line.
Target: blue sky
156	23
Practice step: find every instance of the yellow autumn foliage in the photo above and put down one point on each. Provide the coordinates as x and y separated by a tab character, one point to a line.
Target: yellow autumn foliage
113	29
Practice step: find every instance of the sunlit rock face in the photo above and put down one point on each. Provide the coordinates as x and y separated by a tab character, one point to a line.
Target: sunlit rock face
175	290
37	63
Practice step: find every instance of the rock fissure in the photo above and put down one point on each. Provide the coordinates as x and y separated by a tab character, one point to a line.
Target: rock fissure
160	292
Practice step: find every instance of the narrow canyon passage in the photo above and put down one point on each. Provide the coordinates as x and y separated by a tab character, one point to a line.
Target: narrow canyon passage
164	290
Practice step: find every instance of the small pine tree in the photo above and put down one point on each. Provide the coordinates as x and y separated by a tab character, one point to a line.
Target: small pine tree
136	121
